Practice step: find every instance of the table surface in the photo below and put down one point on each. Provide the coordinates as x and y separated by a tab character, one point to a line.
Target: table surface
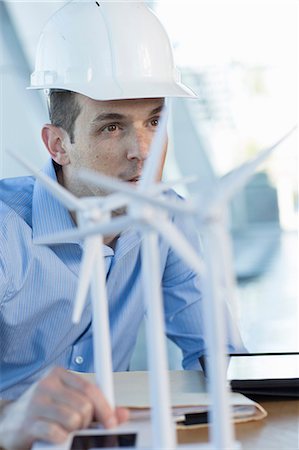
279	430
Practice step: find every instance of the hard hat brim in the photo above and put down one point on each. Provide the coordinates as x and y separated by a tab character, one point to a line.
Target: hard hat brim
128	90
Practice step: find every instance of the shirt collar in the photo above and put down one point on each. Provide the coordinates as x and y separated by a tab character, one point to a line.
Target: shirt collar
49	216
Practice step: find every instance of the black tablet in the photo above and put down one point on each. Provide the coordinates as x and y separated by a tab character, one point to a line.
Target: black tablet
265	374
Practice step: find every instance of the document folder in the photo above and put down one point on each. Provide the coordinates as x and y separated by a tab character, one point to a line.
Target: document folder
189	398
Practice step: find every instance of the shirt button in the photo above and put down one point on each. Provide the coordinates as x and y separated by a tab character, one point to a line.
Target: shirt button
79	360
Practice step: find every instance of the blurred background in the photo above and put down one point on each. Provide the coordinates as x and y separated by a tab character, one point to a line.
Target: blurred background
241	58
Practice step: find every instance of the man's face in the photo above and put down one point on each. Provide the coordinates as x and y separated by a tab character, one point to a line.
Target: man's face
112	137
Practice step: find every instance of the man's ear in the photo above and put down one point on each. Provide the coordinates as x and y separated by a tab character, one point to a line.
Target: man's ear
57	142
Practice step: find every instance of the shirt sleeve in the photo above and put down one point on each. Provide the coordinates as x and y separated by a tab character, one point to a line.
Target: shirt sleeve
4	282
183	304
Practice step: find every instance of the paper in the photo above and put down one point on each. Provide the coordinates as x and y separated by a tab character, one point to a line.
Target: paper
188	394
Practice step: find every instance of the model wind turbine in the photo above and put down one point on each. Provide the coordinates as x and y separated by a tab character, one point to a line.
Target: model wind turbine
163	431
217	248
91	211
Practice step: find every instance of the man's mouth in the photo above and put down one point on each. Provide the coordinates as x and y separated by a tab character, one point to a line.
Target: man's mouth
134	180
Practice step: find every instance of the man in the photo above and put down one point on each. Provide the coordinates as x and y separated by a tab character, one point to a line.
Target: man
107	68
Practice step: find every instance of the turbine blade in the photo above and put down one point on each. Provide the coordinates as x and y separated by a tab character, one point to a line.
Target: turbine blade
116	225
178	242
155	153
237	178
104	181
158	188
114	201
85	275
63	195
116	185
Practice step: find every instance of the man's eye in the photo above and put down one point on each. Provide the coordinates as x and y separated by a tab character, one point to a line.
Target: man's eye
154	122
111	128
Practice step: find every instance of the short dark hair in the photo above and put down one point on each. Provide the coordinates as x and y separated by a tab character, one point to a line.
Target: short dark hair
64	109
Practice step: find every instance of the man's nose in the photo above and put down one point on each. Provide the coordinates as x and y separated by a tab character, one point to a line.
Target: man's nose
139	145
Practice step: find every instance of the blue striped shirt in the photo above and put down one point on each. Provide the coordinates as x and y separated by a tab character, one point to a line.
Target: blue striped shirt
38	286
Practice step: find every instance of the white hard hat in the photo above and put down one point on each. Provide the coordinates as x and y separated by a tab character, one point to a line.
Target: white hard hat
106	51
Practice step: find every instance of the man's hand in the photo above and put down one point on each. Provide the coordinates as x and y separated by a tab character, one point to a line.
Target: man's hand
59	403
